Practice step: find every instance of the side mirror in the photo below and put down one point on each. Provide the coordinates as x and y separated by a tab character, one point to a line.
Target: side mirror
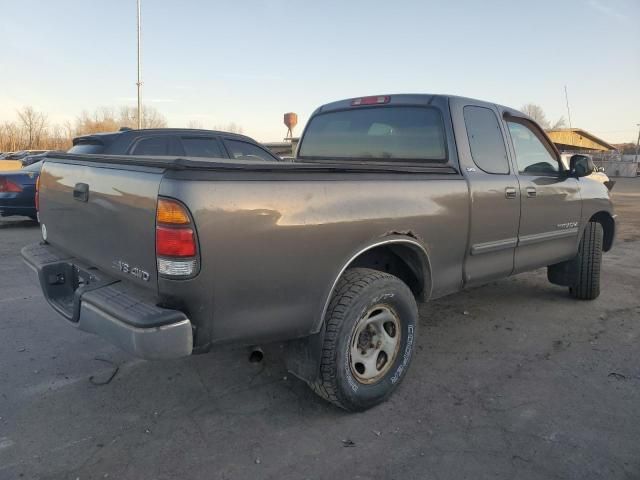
581	165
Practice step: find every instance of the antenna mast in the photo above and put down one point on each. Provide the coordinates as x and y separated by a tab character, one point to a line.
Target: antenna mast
566	97
139	82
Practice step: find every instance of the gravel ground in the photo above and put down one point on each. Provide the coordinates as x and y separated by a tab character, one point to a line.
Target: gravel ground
511	380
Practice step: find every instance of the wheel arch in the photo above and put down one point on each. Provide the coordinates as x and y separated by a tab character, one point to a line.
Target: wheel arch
608	223
403	256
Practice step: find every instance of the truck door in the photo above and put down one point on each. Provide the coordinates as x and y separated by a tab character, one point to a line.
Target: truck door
550	200
494	192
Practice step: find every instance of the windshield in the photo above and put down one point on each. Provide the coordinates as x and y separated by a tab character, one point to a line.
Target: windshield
376	133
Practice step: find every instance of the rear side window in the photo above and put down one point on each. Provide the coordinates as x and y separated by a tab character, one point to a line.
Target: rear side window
202	147
485	139
247	151
87	147
376	133
152	146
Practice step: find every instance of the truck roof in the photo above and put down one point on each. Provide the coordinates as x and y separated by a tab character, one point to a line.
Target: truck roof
405	99
110	137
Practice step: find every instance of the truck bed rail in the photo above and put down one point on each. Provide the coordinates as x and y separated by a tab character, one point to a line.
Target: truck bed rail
221	164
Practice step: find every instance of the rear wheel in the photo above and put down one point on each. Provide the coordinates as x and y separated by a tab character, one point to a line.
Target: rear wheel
369	339
586	284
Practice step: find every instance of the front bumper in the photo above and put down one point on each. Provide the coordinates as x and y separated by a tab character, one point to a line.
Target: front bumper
97	303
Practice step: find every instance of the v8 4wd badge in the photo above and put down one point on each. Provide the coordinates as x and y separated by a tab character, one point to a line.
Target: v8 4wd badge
137	272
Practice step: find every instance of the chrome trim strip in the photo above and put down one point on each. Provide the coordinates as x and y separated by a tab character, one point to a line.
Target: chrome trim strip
487	247
317	325
546	236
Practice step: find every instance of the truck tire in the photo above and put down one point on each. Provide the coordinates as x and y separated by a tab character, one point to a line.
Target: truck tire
586	284
370	335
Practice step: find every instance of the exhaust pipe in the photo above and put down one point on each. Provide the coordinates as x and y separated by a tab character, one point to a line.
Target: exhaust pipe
256	355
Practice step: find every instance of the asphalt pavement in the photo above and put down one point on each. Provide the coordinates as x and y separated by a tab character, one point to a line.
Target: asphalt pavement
512	380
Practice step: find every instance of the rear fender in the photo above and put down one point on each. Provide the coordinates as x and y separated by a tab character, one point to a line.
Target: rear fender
302	356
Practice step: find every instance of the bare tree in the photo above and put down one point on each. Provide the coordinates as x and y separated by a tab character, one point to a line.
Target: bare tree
58	138
231	127
106	119
560	123
536	112
102	120
11	137
34	124
151	117
195	124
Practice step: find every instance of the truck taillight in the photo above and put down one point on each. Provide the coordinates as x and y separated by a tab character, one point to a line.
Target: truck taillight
171	212
176	243
38	193
7	185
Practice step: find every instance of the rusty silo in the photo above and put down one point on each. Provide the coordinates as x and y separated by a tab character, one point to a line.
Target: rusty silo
290	120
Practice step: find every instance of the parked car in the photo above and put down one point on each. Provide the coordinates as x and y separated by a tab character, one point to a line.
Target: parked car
13	160
17	191
392	200
18	198
598	172
33	158
21	154
176	142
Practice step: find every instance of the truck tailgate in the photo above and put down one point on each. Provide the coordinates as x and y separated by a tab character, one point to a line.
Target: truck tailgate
104	215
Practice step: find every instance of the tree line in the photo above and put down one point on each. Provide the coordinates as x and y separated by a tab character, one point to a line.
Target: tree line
31	130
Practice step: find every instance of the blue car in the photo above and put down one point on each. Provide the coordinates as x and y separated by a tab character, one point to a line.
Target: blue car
18	191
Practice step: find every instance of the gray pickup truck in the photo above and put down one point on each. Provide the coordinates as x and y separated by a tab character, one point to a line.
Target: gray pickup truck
392	200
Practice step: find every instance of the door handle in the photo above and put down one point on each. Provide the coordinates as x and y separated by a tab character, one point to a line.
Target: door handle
532	192
81	192
510	192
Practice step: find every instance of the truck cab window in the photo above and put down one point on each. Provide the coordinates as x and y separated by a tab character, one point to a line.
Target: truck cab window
389	133
532	155
246	151
151	146
202	147
485	140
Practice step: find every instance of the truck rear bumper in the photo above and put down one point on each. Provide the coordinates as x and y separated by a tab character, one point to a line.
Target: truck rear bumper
120	313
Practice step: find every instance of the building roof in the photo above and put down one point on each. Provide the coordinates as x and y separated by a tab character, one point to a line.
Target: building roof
579	139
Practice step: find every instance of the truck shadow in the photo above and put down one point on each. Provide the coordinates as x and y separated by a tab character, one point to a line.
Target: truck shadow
18	222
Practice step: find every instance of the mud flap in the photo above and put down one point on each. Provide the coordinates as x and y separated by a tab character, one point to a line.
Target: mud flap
563	273
302	357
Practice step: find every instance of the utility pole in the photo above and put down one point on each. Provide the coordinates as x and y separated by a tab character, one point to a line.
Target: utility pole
566	98
139	82
638	142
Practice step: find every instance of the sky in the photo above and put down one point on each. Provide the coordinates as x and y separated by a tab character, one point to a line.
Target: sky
250	61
